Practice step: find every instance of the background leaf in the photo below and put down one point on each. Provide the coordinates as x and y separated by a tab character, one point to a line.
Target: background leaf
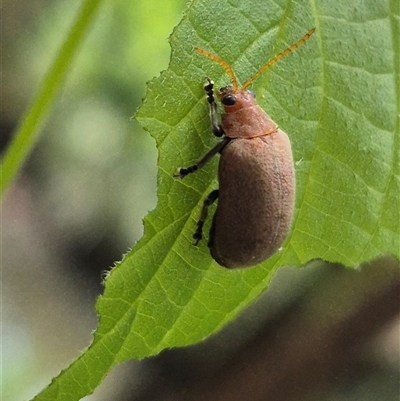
29	129
336	97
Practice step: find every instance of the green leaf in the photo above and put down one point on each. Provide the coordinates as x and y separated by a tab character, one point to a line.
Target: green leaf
337	97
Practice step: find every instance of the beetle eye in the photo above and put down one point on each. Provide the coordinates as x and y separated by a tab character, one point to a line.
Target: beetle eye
229	100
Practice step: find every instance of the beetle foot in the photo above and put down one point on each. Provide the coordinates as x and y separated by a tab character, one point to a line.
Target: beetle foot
198	235
182	172
197	238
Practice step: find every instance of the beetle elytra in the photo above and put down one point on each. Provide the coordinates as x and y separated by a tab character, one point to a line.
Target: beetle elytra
256	192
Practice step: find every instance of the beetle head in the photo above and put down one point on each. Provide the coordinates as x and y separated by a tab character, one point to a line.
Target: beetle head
233	100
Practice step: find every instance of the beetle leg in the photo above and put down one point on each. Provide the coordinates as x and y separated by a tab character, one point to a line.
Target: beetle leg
183	172
211	198
216	127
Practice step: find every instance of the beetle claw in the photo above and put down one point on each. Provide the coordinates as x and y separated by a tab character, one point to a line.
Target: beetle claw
180	173
197	238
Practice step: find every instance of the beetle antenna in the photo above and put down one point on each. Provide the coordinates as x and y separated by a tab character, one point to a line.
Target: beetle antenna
278	57
223	64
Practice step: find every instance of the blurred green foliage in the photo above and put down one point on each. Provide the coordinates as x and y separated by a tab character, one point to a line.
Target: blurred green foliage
92	174
90	146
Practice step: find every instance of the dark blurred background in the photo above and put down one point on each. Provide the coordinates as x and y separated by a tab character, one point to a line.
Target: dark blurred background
322	332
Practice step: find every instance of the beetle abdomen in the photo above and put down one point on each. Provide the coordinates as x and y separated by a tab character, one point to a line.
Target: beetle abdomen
256	200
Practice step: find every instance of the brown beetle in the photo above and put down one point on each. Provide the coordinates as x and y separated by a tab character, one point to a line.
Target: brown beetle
256	175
